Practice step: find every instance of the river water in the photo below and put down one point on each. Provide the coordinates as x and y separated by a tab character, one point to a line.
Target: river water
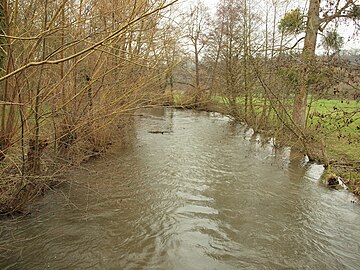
205	194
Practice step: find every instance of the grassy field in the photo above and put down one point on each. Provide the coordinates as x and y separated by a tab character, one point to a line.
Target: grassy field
338	121
336	115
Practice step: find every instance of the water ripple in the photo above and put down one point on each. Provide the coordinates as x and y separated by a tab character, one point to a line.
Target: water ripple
209	195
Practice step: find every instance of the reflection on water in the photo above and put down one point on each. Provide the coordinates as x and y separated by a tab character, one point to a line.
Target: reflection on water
206	194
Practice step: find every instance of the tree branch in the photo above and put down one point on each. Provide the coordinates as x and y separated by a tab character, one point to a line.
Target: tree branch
90	48
339	13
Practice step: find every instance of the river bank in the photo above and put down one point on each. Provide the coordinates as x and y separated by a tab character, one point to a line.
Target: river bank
19	188
208	192
18	192
339	157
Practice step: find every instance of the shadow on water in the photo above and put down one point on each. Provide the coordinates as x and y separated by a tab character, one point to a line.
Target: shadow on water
205	194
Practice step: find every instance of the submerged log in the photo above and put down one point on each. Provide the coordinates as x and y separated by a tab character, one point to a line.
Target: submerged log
159	132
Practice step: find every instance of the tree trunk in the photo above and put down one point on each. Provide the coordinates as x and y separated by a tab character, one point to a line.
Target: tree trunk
10	86
308	55
197	74
34	158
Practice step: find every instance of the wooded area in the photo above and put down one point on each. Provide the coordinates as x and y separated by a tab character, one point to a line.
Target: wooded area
73	72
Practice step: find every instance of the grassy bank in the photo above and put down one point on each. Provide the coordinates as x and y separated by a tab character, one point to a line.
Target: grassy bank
338	123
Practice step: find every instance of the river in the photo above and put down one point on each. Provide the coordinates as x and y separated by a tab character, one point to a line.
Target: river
205	194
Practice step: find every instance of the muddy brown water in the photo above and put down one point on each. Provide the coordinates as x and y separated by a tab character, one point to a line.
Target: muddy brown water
205	194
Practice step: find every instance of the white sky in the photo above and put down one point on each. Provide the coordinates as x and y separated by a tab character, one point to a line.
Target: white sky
351	40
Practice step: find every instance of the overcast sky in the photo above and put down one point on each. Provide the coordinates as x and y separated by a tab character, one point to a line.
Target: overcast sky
351	40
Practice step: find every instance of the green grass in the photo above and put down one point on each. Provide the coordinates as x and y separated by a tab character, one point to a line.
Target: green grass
336	115
329	104
333	115
338	121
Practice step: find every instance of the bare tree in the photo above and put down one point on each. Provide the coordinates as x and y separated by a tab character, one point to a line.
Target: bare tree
196	21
